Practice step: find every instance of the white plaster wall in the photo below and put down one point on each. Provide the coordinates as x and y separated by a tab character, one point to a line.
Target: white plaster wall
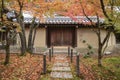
40	40
91	38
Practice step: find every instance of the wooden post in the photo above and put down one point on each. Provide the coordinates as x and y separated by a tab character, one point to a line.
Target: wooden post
68	50
77	65
71	55
44	63
49	54
52	51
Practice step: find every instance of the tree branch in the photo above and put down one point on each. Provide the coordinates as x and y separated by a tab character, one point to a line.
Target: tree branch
106	37
104	11
21	6
88	18
105	45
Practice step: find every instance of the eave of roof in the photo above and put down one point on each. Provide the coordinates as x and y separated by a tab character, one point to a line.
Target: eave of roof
58	19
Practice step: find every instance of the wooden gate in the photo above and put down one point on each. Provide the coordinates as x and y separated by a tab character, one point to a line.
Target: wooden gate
61	36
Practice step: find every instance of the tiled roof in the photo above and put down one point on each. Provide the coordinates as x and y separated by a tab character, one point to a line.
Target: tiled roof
66	20
10	14
29	20
59	19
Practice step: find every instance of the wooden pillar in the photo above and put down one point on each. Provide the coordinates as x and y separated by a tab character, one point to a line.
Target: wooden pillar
71	59
68	50
48	36
77	65
75	41
52	51
44	63
49	54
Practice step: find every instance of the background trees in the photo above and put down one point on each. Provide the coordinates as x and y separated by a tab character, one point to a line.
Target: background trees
87	8
9	28
100	10
38	8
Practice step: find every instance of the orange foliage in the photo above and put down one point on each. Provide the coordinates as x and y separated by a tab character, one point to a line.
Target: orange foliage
38	7
69	8
27	67
91	8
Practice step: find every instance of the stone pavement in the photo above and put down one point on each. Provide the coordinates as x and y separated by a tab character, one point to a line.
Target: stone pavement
61	68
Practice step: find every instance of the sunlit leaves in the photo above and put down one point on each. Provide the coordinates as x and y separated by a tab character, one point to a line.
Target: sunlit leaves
9	24
39	7
90	7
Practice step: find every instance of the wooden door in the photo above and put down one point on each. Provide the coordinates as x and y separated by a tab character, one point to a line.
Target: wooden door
61	36
55	37
67	37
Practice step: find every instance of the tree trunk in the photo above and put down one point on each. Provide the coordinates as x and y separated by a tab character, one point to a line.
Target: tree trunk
99	56
7	57
30	38
22	37
23	48
7	49
100	46
34	35
2	8
23	32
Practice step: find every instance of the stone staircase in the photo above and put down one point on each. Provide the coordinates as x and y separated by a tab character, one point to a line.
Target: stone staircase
62	49
61	68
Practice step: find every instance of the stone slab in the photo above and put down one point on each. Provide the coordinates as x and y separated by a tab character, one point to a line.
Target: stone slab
61	69
58	61
58	64
60	58
61	75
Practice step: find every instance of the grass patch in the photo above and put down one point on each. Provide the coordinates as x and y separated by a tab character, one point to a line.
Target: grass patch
113	65
109	71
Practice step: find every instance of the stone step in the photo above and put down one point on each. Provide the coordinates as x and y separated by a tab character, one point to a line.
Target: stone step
60	47
61	69
63	51
62	61
61	58
61	64
66	75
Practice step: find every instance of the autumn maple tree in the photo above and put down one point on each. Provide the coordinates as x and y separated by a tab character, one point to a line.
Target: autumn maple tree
38	8
96	8
9	28
41	8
